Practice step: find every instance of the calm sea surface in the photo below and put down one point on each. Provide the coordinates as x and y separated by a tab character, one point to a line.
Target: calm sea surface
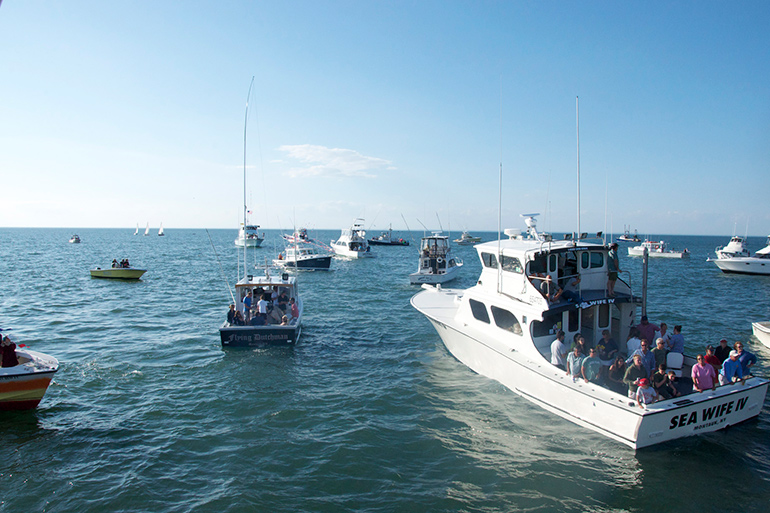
367	413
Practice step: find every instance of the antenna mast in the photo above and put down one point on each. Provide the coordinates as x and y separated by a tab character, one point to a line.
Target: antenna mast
577	117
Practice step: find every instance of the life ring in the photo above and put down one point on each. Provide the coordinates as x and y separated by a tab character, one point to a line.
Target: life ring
440	260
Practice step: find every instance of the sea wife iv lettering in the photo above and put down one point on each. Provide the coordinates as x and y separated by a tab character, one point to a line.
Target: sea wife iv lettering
711	413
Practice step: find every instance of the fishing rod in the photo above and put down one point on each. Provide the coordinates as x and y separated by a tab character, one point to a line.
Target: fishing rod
230	290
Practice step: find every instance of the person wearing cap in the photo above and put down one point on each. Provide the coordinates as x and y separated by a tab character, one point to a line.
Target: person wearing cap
645	394
746	359
731	370
712	359
703	375
646	328
722	351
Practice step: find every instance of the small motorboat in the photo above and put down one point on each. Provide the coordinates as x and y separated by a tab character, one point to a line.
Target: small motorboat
23	386
627	237
762	332
303	256
466	239
118	272
75	239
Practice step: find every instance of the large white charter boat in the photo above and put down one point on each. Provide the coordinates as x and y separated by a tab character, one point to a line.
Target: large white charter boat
503	328
737	259
657	249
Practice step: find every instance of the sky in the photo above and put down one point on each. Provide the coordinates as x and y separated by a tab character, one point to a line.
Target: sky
410	113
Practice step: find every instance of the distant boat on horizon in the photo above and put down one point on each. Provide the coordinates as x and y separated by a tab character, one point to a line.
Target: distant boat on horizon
160	232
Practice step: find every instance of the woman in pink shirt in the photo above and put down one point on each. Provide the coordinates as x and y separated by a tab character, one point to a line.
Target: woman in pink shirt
703	375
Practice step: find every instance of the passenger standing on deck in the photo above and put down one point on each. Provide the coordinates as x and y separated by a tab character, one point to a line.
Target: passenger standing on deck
9	352
703	375
722	351
634	342
294	308
645	394
262	304
633	374
677	340
731	370
613	268
591	367
712	359
660	352
574	364
746	359
606	350
647	329
247	302
559	351
615	376
663	333
231	314
648	358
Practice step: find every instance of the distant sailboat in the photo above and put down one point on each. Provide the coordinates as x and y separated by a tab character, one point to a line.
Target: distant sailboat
147	230
160	232
137	229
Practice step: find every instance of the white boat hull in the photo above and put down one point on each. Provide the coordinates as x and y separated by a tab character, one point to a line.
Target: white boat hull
249	243
743	265
636	251
118	273
589	405
346	252
432	279
762	332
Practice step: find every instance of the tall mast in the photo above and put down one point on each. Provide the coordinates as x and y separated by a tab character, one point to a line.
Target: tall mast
245	123
577	121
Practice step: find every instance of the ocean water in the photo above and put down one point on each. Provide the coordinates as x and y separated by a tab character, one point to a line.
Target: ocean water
368	412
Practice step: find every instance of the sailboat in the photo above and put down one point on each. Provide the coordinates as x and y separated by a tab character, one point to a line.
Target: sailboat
160	232
137	229
147	230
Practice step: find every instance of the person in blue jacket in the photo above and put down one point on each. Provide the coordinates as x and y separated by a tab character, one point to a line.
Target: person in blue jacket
731	370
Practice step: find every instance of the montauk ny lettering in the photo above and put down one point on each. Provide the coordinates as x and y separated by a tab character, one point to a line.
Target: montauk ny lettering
711	413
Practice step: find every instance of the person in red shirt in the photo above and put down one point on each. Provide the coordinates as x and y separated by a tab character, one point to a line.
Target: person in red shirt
712	359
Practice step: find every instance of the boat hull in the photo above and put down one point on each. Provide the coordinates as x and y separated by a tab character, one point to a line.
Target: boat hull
259	336
762	332
249	243
592	406
118	273
656	254
308	264
419	278
23	387
375	242
750	265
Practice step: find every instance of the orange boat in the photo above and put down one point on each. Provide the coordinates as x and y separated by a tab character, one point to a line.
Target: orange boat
23	386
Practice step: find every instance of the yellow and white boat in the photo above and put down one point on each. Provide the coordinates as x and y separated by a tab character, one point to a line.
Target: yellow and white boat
118	273
23	386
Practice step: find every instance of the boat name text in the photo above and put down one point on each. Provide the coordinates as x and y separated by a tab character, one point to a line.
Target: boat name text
710	416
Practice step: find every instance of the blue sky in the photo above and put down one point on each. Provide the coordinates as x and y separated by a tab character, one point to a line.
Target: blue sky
114	114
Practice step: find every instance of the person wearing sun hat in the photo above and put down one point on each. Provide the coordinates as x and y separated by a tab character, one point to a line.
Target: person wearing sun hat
731	370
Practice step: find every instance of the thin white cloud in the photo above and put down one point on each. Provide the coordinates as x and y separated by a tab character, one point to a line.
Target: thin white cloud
322	161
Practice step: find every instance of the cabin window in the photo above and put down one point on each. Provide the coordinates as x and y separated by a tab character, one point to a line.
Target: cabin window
574	321
584	257
479	311
552	263
506	320
604	316
537	265
489	260
512	264
597	260
551	323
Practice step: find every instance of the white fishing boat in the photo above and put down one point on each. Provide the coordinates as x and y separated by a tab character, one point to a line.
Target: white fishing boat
147	230
740	264
23	386
657	249
436	263
249	237
627	237
352	242
304	253
735	248
160	231
75	239
503	328
762	332
466	239
280	323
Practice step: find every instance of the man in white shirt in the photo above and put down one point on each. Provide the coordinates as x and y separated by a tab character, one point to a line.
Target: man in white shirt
559	351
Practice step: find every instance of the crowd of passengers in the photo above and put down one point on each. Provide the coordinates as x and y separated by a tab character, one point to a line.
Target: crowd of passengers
262	307
639	370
